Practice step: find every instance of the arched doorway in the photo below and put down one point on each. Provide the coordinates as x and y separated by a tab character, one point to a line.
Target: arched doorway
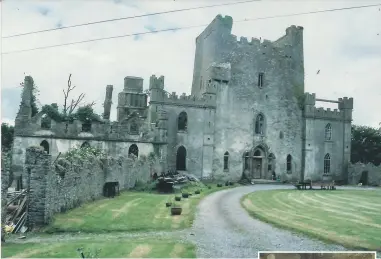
271	166
364	178
181	157
133	150
257	169
45	145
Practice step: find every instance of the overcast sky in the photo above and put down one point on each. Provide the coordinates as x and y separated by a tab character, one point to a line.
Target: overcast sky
344	45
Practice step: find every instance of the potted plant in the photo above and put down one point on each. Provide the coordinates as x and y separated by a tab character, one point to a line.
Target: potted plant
185	195
177	198
168	203
176	209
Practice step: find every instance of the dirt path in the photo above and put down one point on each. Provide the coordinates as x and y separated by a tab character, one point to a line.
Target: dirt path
224	229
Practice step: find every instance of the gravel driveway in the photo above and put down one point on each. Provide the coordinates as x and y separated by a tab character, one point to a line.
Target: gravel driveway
222	228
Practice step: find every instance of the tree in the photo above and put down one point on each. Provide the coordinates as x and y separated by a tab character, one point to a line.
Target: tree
68	109
366	145
6	136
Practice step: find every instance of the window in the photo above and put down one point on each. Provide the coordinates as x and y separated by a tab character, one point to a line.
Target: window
246	160
289	163
181	158
260	124
134	128
45	145
226	161
86	126
133	150
260	80
327	164
85	145
328	132
182	121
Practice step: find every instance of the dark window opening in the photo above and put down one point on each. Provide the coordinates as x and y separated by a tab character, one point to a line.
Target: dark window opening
260	80
86	126
182	121
134	128
246	161
133	150
181	158
45	145
328	132
85	145
327	164
289	163
259	124
226	161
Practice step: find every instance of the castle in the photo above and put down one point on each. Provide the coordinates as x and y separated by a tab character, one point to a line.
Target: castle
247	113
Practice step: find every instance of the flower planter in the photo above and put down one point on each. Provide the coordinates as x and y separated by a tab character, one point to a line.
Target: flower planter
185	195
168	204
176	211
197	192
177	198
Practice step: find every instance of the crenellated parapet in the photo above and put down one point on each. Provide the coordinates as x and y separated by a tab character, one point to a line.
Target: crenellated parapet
343	113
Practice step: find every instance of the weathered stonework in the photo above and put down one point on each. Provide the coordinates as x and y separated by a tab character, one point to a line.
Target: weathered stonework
368	174
58	185
247	112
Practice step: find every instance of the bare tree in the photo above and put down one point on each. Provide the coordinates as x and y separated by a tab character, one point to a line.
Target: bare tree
68	109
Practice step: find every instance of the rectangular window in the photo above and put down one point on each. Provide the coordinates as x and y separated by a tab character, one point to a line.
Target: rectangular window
260	80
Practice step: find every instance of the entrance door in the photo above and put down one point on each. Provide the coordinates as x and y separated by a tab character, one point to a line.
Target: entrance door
257	168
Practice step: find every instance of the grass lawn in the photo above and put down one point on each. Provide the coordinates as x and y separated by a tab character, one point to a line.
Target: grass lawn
351	218
135	248
131	211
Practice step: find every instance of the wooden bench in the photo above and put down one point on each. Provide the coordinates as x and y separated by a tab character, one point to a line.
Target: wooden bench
324	185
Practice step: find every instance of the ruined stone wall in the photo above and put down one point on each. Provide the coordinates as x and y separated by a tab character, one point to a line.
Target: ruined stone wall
59	185
371	172
4	188
57	145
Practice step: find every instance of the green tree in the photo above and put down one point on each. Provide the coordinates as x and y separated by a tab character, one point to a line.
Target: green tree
366	145
6	136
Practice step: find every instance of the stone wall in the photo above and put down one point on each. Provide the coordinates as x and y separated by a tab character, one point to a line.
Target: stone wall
4	187
58	185
369	171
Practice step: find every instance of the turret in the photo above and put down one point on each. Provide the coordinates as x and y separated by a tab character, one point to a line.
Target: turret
309	104
131	99
108	102
156	88
346	105
25	111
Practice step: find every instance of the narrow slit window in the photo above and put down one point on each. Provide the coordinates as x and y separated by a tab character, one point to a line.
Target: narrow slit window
260	80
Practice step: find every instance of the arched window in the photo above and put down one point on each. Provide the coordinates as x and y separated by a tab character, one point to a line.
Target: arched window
289	163
85	145
327	164
260	124
271	160
226	160
134	128
45	145
181	157
182	123
246	160
328	132
133	150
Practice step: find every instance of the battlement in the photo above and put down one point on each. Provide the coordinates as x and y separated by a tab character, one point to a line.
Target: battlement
345	103
156	82
311	111
327	113
187	100
133	84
